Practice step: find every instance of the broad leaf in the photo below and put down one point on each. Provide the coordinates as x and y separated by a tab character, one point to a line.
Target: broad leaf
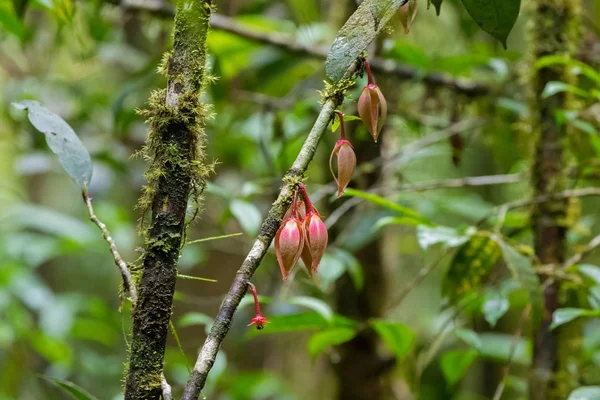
456	363
356	34
437	4
315	304
398	337
470	337
406	212
496	17
247	215
449	237
564	315
319	342
62	140
10	21
303	322
70	388
585	393
494	306
470	267
195	318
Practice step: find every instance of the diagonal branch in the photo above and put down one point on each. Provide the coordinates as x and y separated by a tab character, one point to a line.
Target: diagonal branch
380	65
268	229
128	284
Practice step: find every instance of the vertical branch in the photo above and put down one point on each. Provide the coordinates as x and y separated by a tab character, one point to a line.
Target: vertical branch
554	32
177	169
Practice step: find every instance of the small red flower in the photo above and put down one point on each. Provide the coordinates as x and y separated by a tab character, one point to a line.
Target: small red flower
372	107
258	320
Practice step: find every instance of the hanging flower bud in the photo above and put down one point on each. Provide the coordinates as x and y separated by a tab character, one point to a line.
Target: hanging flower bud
408	12
315	232
289	241
258	319
372	107
346	159
300	209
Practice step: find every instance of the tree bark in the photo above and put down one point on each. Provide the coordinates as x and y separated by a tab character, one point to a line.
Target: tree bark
176	119
554	31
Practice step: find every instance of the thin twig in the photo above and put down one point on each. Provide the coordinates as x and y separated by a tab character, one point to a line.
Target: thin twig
588	248
502	209
384	66
166	388
511	353
483	180
128	284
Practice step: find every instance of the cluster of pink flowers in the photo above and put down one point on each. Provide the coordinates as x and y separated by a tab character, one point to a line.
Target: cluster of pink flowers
303	234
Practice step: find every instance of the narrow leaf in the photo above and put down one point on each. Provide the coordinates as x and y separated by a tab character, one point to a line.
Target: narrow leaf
62	140
70	388
398	337
564	315
390	205
449	237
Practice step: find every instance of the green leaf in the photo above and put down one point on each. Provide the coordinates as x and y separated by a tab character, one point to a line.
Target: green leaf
564	315
555	87
10	21
497	347
591	271
247	215
62	140
449	237
585	393
496	17
303	322
390	205
70	388
331	337
470	266
195	318
335	122
398	337
314	304
356	34
524	273
577	66
437	4
456	363
494	306
470	337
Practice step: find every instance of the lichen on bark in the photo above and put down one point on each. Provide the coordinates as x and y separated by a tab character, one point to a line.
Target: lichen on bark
177	171
554	31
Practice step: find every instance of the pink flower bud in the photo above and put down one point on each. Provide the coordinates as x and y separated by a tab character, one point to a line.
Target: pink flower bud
289	241
300	209
372	109
408	12
346	162
316	239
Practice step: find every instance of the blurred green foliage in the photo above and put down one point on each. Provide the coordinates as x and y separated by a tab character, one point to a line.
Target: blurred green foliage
62	316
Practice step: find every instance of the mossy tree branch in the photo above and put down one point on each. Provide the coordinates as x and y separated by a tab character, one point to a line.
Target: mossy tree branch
554	31
177	169
333	98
